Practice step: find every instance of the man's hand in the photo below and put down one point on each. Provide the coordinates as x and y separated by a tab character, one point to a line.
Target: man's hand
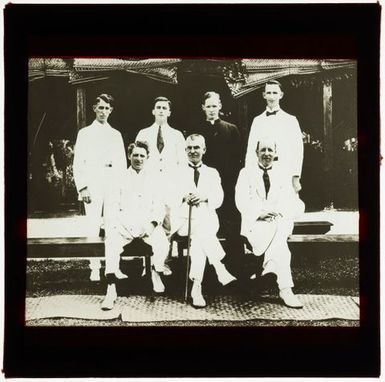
85	195
268	216
195	199
148	230
296	184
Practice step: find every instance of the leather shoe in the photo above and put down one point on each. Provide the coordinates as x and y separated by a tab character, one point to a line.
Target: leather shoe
111	295
157	283
196	295
290	299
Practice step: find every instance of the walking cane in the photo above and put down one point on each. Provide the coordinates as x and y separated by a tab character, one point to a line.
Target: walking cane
188	250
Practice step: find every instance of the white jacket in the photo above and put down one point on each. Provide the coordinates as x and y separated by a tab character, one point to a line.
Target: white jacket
99	155
250	196
204	216
284	130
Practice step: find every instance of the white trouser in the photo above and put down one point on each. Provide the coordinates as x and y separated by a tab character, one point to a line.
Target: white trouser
203	245
94	218
115	241
273	237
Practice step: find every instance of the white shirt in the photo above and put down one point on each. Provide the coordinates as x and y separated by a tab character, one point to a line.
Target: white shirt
209	186
284	130
173	153
136	201
250	195
99	149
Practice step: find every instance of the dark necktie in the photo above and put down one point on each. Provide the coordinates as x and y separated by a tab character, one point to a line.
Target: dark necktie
266	179
159	140
196	173
268	113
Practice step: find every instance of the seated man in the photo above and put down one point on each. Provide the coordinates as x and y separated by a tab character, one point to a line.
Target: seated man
268	204
138	213
199	186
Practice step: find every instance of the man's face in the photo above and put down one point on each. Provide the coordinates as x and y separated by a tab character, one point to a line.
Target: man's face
266	153
211	107
102	111
161	112
138	158
272	95
195	149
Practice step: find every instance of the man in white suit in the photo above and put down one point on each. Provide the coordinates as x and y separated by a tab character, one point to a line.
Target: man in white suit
138	211
99	158
268	204
167	152
199	186
283	129
166	144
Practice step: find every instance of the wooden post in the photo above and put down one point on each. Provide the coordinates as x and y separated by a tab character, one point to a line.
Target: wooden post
328	140
80	107
243	125
328	133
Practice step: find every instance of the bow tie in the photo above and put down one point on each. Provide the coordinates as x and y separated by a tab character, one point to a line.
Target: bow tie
268	113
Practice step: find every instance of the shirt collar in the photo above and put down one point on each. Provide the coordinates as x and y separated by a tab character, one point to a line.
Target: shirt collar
96	123
132	171
164	126
210	122
190	164
273	110
264	168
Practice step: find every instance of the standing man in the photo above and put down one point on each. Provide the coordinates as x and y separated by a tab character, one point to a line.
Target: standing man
166	144
99	158
199	186
268	208
138	212
281	128
167	148
224	150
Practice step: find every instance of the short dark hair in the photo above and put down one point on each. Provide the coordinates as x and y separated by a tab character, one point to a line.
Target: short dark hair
162	99
106	98
273	82
140	144
210	94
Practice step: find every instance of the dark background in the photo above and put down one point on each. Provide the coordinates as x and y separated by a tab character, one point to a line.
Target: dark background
196	31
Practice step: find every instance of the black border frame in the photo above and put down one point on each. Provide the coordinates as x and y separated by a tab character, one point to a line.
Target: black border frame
197	31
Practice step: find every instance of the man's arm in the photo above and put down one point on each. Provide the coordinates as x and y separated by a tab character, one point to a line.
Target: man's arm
80	167
296	144
120	153
250	158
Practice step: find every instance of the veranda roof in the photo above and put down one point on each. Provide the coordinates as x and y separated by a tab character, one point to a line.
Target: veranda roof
249	74
242	76
80	70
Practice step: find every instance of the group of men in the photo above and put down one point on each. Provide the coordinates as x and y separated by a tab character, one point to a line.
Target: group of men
175	185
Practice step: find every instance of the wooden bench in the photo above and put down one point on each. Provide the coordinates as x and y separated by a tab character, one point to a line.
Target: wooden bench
91	248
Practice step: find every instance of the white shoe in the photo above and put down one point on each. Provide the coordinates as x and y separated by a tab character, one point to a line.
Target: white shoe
270	267
166	270
196	294
120	275
95	275
157	283
224	276
290	299
111	296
